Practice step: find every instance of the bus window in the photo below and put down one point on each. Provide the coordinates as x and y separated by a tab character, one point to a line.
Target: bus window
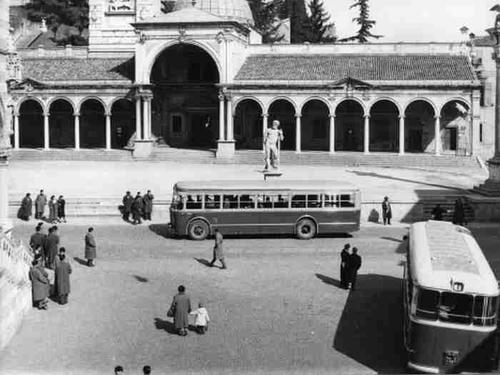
281	201
212	202
298	201
484	311
427	302
346	200
246	201
331	200
455	308
230	201
314	201
193	202
177	202
266	201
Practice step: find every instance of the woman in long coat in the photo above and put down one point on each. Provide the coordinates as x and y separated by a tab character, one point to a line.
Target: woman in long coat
148	205
52	209
61	209
61	281
180	309
90	248
40	285
26	209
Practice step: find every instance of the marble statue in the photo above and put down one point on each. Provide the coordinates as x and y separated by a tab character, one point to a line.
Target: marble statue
272	142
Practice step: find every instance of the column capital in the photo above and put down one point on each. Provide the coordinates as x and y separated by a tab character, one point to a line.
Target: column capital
332	115
46	113
401	117
107	114
437	117
366	117
298	115
221	96
76	114
265	115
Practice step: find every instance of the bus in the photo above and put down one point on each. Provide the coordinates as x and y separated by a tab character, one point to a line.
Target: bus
450	301
303	208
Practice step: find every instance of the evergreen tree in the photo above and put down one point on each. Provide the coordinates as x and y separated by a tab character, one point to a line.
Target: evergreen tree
364	22
69	17
266	18
299	20
318	23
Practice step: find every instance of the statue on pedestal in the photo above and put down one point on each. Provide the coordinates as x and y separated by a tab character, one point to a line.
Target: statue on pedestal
272	142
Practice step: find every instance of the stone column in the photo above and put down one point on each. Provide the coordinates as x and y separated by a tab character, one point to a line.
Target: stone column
146	117
332	134
401	135
437	135
366	137
475	124
46	134
298	130
16	131
77	131
265	124
138	130
108	131
230	125
222	136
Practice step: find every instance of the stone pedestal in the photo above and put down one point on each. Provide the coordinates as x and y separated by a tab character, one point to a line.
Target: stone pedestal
143	148
491	187
225	149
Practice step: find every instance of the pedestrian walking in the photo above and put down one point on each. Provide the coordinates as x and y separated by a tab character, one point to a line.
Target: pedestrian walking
146	370
61	278
26	209
52	210
459	213
40	202
90	247
386	211
61	209
201	318
218	253
179	310
127	201
137	209
40	285
344	257
51	247
353	265
437	212
148	205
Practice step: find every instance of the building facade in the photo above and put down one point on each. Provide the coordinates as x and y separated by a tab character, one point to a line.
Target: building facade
199	77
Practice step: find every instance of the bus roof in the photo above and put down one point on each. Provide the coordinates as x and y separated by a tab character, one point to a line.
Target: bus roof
442	254
245	185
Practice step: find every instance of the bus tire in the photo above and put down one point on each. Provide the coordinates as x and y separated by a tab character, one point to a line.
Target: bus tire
198	230
305	229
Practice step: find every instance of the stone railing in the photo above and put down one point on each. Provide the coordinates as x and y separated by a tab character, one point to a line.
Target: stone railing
15	259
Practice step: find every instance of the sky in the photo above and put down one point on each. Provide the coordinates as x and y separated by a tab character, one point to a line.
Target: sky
417	20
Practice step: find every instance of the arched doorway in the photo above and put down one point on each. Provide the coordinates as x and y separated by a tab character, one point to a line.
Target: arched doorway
248	125
122	122
92	124
349	126
315	126
455	127
419	127
61	124
185	103
31	124
284	111
384	127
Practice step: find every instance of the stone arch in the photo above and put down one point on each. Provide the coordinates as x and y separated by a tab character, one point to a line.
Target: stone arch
389	99
423	99
419	126
61	123
92	123
92	97
248	97
455	126
357	100
248	124
284	98
318	98
315	125
384	126
349	125
61	97
284	110
31	123
40	101
122	121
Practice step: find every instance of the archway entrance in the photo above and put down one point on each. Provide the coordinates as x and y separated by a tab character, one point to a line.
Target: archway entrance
92	124
185	103
349	126
419	127
122	122
61	124
30	124
315	126
283	111
455	127
384	127
248	125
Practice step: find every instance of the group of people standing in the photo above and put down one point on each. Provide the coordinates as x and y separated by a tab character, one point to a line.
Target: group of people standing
350	263
140	207
57	208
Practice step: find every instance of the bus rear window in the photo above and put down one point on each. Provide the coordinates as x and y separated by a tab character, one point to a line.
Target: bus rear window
455	308
485	311
427	303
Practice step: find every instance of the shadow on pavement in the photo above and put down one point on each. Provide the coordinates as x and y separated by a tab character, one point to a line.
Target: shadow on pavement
140	279
162	230
81	261
388	177
203	261
402	244
328	280
165	325
370	330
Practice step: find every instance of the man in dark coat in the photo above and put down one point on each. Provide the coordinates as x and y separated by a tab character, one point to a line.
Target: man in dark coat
127	201
40	202
51	247
148	205
61	209
386	211
437	212
459	212
40	285
353	265
218	251
37	239
90	247
137	209
61	281
180	308
26	209
344	257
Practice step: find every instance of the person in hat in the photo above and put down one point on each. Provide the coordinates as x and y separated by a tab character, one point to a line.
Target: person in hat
61	278
26	209
90	247
386	211
180	309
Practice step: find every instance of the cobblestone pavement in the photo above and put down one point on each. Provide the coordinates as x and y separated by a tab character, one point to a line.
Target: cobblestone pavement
277	308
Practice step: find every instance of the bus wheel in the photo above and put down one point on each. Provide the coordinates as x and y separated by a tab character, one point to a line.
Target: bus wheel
306	229
198	230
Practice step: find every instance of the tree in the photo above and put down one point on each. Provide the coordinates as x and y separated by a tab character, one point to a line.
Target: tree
299	20
67	19
266	15
364	22
318	23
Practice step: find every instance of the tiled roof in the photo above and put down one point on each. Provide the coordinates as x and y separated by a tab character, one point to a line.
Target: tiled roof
361	67
51	69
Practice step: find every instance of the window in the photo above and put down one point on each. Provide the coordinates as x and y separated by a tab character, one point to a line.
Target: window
331	200
427	302
455	308
177	202
265	201
484	311
212	202
230	201
176	124
281	201
346	200
314	201
247	201
193	202
299	201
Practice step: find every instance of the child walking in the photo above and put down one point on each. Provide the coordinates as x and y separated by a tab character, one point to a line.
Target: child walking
201	318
